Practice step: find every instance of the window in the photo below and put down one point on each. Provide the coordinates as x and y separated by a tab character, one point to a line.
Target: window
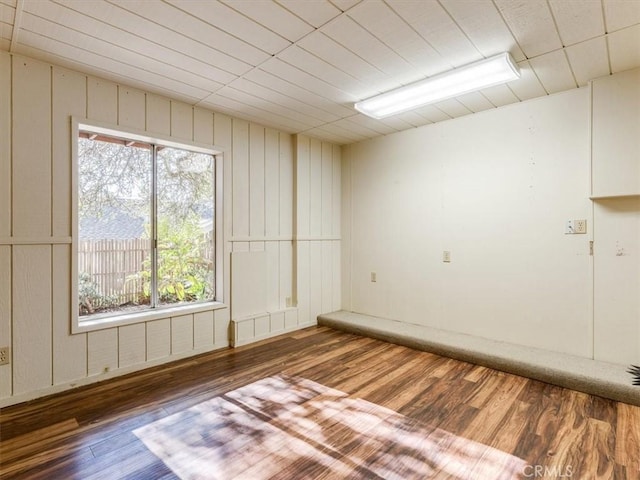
145	224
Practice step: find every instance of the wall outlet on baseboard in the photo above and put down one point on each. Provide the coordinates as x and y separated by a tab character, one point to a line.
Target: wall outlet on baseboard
5	355
446	256
374	277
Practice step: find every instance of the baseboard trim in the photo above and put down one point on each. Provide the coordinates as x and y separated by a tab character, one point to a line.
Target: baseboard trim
594	377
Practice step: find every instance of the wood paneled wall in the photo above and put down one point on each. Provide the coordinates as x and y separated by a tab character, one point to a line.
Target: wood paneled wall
36	103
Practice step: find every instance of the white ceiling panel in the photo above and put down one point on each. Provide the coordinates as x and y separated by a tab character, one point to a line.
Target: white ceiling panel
352	36
345	5
75	58
528	85
475	102
314	12
249	112
339	57
266	79
320	69
589	60
482	24
33	23
532	25
114	22
158	24
258	101
432	113
273	16
7	14
299	65
620	14
578	20
499	95
278	98
624	49
334	134
453	108
393	31
123	40
436	26
294	74
232	22
553	71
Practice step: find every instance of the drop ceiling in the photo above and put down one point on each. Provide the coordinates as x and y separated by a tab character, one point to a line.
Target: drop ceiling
299	65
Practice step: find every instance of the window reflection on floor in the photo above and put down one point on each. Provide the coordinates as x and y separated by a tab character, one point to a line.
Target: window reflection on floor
290	427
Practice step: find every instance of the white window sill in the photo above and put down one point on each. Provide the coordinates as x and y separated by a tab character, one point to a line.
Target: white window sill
82	326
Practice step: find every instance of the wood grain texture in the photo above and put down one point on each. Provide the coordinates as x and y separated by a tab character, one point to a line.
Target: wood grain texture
485	423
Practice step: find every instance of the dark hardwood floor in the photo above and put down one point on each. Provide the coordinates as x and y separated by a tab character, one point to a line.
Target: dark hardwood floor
320	403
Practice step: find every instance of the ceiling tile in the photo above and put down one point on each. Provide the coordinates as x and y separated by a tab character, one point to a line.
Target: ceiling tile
589	60
173	27
396	33
382	127
320	69
345	5
578	20
302	78
475	102
482	23
452	107
298	92
527	86
355	38
249	112
273	17
39	47
435	25
499	95
333	134
234	23
553	71
33	23
532	25
432	113
83	22
6	31
620	14
314	12
264	93
7	14
339	57
624	49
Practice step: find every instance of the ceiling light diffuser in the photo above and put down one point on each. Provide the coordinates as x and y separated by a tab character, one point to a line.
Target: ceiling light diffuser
470	78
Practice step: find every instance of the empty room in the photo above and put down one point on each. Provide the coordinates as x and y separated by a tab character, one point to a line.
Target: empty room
373	239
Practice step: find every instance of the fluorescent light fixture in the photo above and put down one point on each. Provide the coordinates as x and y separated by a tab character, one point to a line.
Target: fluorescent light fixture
485	73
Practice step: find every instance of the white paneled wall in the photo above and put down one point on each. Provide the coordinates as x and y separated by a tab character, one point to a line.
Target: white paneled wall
494	189
37	101
318	193
302	257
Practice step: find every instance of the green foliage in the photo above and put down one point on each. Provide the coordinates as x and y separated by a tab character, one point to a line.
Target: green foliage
89	297
184	272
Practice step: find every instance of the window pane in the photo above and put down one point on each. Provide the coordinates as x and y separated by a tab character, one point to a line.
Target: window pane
185	226
114	254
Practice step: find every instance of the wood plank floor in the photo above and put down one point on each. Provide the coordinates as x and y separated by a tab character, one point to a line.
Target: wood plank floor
368	409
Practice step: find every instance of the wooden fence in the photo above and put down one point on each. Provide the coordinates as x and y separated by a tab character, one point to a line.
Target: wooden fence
112	264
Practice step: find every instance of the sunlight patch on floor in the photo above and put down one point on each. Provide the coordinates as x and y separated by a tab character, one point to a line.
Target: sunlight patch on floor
292	427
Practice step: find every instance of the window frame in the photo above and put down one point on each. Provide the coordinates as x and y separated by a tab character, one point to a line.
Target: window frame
82	324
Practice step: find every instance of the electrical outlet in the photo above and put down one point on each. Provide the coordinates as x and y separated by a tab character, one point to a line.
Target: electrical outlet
374	277
446	256
5	356
575	226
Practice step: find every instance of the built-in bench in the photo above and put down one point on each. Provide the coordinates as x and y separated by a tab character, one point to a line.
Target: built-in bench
604	379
